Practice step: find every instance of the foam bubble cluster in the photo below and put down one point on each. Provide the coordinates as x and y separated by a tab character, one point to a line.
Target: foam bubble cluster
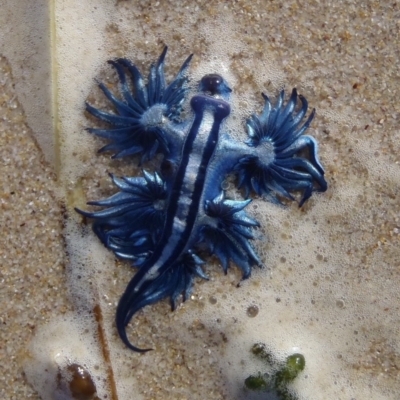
64	361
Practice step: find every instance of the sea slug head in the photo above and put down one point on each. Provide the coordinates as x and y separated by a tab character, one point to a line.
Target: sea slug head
215	85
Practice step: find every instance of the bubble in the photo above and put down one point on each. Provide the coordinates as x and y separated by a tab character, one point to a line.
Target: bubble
252	311
340	303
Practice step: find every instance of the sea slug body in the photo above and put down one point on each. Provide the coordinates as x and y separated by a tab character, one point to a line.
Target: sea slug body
161	220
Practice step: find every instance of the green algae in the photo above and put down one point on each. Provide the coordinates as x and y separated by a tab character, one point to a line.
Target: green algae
284	373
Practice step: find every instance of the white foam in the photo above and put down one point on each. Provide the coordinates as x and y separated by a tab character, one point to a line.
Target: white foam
68	340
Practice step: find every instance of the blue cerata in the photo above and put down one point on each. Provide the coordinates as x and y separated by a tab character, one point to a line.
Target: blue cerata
161	221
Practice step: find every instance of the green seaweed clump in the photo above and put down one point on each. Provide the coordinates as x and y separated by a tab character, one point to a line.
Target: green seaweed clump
293	366
276	384
256	382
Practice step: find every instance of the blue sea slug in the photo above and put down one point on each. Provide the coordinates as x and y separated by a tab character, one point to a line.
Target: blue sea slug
161	221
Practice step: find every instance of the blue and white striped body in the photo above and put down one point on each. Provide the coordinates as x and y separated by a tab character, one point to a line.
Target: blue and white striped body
184	206
161	221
